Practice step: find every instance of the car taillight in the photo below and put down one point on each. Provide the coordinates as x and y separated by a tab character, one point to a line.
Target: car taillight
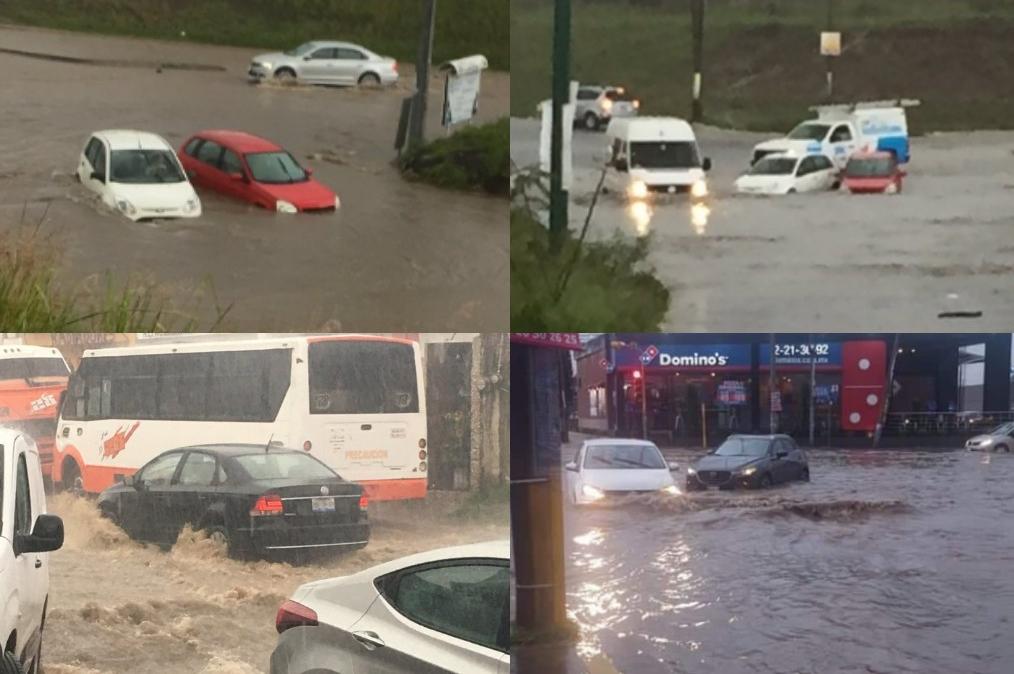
294	614
395	66
364	502
269	504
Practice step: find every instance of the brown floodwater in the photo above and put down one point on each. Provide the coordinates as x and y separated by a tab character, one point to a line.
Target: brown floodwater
888	561
398	256
119	607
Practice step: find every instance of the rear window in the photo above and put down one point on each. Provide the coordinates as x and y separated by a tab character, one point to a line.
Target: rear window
276	466
362	378
26	368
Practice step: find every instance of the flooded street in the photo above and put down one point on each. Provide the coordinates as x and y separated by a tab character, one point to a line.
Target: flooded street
943	245
117	606
433	259
887	561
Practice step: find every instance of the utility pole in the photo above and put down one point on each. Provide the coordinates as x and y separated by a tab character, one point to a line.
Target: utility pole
772	383
697	29
561	96
417	124
829	58
813	386
644	402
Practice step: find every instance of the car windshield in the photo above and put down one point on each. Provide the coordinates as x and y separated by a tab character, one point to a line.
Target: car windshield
671	155
623	456
774	166
867	167
144	167
301	49
807	131
279	466
1003	429
275	167
744	447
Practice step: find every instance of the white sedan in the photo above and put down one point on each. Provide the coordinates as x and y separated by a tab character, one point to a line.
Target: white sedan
606	468
138	174
441	611
788	174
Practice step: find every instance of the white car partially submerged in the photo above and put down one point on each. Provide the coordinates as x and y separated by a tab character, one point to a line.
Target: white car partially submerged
788	173
138	174
607	468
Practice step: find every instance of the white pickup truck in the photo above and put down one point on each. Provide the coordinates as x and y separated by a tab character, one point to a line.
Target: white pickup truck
841	130
27	534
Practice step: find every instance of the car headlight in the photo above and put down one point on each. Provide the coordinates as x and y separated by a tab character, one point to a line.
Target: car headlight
286	207
986	441
591	492
337	202
266	65
607	105
699	189
638	190
190	206
750	470
125	206
691	470
671	490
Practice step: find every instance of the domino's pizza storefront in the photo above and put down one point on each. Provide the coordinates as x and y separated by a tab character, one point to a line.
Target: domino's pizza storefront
685	390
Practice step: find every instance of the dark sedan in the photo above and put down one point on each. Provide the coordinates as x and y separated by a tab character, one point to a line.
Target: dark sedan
255	501
750	461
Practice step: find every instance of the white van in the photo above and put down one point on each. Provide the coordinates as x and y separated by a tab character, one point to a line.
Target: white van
27	534
841	130
654	154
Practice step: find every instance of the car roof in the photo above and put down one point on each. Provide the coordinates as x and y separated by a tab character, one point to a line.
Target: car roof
239	141
499	549
130	139
337	43
619	441
769	436
647	129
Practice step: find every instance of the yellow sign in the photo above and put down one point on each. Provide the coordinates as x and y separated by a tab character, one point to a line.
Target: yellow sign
830	44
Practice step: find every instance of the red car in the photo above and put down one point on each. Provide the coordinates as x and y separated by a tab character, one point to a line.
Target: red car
873	172
253	169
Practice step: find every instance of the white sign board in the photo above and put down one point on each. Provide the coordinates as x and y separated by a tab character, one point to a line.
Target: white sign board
830	44
461	97
546	141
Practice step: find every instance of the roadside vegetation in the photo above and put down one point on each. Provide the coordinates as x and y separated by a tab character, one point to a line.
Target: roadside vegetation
31	299
581	286
762	69
474	157
390	27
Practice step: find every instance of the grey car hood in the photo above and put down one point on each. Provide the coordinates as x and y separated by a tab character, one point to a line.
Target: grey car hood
714	462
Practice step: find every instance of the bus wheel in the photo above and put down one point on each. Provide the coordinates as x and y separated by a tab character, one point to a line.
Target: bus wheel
72	481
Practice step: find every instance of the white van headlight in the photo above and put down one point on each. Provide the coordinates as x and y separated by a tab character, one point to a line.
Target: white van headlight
191	205
699	189
671	490
285	207
591	492
638	190
125	206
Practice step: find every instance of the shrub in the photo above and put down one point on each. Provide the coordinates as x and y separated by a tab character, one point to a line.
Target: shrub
476	157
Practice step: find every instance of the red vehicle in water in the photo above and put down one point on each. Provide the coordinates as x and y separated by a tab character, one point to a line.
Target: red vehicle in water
32	379
255	170
873	172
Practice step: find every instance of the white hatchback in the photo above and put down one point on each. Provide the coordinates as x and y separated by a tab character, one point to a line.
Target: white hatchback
138	174
607	468
27	534
786	173
445	611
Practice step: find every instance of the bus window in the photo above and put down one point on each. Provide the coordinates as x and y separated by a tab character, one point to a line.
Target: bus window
362	378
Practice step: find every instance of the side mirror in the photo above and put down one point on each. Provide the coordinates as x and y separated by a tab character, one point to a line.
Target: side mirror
620	165
706	164
673	465
238	177
308	171
571	466
781	454
45	537
98	176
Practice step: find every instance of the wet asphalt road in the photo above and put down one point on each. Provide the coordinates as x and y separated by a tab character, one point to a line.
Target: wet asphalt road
827	259
887	561
398	256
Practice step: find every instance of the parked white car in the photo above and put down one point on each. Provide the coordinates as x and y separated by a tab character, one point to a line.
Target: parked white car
138	174
27	534
445	611
596	105
606	468
788	174
322	62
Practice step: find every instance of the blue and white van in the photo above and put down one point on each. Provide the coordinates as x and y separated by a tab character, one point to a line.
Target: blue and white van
840	130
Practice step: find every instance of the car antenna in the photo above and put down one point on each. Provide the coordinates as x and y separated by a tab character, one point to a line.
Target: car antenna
268	446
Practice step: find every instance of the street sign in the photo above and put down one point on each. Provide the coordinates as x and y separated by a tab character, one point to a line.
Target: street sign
830	43
649	355
461	88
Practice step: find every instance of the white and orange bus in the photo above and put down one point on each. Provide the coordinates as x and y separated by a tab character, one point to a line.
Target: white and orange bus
32	378
354	401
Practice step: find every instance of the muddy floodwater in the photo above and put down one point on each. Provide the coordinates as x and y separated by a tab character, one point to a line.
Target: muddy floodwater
119	607
430	258
943	246
886	562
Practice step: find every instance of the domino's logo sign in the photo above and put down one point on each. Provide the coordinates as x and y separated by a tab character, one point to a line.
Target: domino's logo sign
649	354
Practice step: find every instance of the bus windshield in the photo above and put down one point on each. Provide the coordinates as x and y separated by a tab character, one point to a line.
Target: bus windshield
28	368
367	377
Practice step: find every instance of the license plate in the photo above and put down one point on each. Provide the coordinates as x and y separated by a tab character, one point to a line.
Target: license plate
322	504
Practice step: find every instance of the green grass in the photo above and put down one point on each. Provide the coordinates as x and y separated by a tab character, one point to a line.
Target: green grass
389	27
31	299
762	69
474	157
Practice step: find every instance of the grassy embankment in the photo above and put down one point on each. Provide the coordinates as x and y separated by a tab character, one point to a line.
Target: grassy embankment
762	69
389	27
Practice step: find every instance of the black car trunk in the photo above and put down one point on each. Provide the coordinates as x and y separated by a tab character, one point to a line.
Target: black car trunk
314	502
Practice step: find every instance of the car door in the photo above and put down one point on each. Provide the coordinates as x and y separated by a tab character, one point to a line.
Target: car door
235	179
448	616
804	175
206	168
191	493
795	460
97	179
825	174
781	466
30	573
350	64
143	515
319	65
841	143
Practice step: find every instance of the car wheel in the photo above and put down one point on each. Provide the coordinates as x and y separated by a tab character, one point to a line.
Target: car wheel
72	480
10	665
765	481
836	185
285	75
1002	448
591	121
805	475
369	80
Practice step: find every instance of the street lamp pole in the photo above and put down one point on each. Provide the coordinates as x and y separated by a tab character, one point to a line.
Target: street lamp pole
697	30
561	95
830	59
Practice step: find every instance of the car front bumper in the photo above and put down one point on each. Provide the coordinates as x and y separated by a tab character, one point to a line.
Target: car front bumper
733	481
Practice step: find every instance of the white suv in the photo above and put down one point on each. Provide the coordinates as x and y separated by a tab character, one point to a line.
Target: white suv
27	533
